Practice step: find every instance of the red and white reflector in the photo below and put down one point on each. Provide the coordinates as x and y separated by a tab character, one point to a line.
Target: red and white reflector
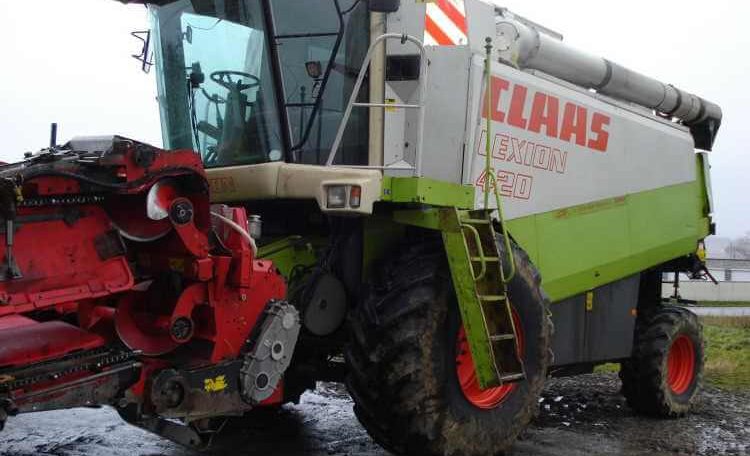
355	196
445	23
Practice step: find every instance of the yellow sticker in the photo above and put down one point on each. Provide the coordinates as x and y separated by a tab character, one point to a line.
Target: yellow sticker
589	301
177	264
214	385
390	101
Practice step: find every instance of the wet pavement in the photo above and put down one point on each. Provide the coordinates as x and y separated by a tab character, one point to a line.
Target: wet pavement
578	416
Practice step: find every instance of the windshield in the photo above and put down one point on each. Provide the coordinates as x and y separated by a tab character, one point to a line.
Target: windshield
320	54
224	92
216	90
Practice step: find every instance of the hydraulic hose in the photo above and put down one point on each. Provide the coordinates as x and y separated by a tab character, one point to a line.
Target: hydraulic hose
238	228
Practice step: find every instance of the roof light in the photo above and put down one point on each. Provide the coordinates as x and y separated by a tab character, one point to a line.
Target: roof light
314	69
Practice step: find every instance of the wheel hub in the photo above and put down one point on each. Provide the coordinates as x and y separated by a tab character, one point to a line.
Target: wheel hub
489	398
681	364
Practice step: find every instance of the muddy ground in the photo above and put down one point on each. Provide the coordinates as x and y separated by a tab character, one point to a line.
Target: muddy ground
578	416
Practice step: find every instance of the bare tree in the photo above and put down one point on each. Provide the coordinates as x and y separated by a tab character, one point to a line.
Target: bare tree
739	248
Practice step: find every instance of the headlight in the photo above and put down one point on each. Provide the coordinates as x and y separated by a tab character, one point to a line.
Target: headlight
336	197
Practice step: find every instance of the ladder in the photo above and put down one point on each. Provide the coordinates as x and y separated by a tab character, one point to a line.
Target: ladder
401	165
481	286
480	278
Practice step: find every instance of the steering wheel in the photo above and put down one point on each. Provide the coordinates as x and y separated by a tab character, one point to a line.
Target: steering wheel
224	79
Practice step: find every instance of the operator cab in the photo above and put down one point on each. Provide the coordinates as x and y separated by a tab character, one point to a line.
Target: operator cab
246	82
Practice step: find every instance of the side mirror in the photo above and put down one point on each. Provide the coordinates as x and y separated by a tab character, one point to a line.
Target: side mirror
383	6
145	57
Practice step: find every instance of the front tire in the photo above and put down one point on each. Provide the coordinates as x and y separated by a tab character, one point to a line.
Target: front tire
408	374
665	374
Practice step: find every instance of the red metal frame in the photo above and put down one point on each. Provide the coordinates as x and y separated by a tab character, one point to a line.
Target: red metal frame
160	287
38	342
59	261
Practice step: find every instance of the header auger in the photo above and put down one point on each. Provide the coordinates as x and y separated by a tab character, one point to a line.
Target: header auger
117	271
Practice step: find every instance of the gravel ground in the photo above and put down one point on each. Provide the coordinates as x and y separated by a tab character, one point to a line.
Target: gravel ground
578	416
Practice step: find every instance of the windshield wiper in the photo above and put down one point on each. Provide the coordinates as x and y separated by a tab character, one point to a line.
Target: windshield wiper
195	78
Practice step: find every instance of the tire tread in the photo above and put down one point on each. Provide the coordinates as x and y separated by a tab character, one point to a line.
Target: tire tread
397	399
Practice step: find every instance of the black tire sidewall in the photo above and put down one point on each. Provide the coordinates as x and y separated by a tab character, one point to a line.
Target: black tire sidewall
645	376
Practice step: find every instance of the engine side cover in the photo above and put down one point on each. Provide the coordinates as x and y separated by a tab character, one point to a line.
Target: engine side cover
272	353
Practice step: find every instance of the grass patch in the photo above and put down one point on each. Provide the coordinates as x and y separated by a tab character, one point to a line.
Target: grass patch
726	322
607	368
723	304
727	351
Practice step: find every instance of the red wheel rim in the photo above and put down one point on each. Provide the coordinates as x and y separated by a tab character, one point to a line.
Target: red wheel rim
467	378
681	364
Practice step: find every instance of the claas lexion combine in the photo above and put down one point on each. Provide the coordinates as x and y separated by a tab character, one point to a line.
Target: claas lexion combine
439	203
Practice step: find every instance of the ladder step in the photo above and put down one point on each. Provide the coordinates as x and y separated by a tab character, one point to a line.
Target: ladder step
512	378
487	259
492	298
500	337
472	221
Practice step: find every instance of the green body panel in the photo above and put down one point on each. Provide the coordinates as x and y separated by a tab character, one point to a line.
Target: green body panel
576	249
423	218
289	252
427	191
583	247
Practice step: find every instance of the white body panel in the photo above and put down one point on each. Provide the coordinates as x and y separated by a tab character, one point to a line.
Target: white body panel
448	89
624	149
624	152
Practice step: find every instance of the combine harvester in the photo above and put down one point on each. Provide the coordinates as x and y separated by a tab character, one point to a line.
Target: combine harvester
421	234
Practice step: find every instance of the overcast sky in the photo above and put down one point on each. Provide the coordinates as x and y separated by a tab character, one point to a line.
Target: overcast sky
68	62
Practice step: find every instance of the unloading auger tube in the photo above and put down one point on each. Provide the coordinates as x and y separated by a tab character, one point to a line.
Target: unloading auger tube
524	44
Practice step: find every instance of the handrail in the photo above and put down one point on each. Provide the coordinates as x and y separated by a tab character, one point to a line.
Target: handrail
358	85
490	181
480	253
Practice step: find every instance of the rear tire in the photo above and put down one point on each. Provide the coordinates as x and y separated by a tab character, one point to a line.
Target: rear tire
665	374
403	362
